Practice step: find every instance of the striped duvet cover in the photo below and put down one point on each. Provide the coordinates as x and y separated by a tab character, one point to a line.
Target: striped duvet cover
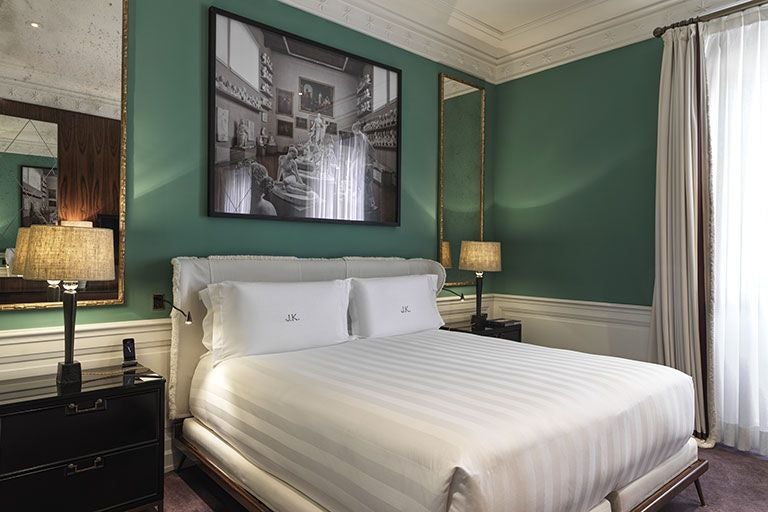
447	421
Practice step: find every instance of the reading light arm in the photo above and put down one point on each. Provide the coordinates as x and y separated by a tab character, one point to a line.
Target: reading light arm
459	295
187	314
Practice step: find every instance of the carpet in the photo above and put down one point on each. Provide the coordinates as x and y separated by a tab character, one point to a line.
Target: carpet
735	482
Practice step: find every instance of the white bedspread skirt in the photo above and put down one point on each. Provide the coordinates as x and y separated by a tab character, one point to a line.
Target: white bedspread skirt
441	421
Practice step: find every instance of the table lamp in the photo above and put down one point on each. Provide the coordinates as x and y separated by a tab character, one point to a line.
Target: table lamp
479	257
69	254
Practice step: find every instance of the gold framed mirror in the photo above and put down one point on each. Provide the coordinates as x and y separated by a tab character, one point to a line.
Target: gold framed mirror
461	172
63	126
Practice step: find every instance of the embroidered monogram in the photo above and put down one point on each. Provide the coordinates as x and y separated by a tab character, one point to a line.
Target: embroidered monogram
405	309
292	317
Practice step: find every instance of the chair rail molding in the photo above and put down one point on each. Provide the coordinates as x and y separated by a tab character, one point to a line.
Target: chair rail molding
621	330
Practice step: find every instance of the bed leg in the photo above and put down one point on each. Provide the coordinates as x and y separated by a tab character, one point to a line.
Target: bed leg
699	492
182	460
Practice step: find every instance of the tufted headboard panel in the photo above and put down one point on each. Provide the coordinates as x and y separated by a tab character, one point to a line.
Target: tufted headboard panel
190	275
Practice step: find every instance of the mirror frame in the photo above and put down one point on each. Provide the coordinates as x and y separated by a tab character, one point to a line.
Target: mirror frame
120	272
441	165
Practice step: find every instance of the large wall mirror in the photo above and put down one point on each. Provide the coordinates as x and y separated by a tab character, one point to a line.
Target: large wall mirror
461	173
63	83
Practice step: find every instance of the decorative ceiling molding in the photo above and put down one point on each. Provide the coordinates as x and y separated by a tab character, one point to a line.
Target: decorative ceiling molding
28	90
437	30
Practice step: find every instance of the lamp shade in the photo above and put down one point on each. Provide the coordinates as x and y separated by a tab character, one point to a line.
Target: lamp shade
445	254
20	254
480	256
70	254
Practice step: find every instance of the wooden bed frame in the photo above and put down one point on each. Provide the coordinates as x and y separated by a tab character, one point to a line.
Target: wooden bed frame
190	452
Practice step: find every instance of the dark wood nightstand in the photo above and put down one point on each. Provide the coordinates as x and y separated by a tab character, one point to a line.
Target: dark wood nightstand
513	330
96	449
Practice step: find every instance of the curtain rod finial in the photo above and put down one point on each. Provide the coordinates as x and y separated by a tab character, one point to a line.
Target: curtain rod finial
658	31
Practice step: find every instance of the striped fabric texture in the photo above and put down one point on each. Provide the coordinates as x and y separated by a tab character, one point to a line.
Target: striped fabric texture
447	421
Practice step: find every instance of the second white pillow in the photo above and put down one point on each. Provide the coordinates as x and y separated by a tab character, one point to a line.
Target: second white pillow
388	306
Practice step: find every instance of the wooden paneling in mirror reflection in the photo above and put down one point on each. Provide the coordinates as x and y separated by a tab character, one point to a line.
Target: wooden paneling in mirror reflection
89	167
88	159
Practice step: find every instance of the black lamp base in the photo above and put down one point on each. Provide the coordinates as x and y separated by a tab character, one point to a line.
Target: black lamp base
69	373
478	321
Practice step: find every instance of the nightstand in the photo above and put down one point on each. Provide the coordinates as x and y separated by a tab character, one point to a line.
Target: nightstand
97	449
513	330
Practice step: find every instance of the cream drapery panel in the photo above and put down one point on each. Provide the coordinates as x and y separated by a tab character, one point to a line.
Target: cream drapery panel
681	287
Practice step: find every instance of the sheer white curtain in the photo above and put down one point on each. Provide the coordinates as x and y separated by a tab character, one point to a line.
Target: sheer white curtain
736	60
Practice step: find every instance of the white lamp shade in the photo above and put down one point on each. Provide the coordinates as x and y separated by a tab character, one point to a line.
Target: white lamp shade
480	256
70	254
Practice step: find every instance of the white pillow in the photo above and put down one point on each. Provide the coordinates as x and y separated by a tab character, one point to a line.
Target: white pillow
387	306
205	297
264	318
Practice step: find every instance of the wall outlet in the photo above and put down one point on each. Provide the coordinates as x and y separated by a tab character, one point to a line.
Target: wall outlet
158	301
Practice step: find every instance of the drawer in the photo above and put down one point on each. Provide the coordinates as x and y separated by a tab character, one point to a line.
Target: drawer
90	484
78	428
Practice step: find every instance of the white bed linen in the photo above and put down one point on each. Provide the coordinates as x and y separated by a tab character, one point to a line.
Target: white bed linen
276	494
440	420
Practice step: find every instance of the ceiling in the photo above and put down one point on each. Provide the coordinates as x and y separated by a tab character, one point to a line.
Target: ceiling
72	60
499	40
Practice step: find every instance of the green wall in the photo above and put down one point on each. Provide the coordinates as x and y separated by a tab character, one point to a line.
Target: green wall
167	118
573	180
10	192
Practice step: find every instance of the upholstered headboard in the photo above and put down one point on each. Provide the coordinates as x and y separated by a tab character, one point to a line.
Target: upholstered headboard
190	275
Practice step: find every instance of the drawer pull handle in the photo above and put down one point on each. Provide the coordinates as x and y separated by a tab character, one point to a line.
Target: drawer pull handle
99	405
73	469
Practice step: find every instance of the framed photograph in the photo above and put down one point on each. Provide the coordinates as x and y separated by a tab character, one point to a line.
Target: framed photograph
284	102
284	128
39	187
316	97
342	162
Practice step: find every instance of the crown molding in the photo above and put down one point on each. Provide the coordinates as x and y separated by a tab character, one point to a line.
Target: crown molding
388	26
34	86
456	39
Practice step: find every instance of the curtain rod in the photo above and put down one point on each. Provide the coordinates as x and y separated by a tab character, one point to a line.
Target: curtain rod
659	31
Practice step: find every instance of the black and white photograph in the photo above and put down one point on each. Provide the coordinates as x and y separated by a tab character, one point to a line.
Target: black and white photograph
330	163
284	102
39	186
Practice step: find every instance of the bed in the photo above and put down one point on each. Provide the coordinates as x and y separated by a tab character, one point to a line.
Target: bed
428	421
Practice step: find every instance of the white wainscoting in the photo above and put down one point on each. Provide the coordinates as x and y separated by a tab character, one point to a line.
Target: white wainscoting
611	329
28	352
601	328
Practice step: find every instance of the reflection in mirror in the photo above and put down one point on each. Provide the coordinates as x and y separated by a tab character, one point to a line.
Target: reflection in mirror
62	84
462	160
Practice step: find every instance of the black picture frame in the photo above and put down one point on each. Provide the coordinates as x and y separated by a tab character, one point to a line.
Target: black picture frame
378	211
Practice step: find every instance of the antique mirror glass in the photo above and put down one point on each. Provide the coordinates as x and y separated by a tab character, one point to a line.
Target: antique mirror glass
62	135
461	173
